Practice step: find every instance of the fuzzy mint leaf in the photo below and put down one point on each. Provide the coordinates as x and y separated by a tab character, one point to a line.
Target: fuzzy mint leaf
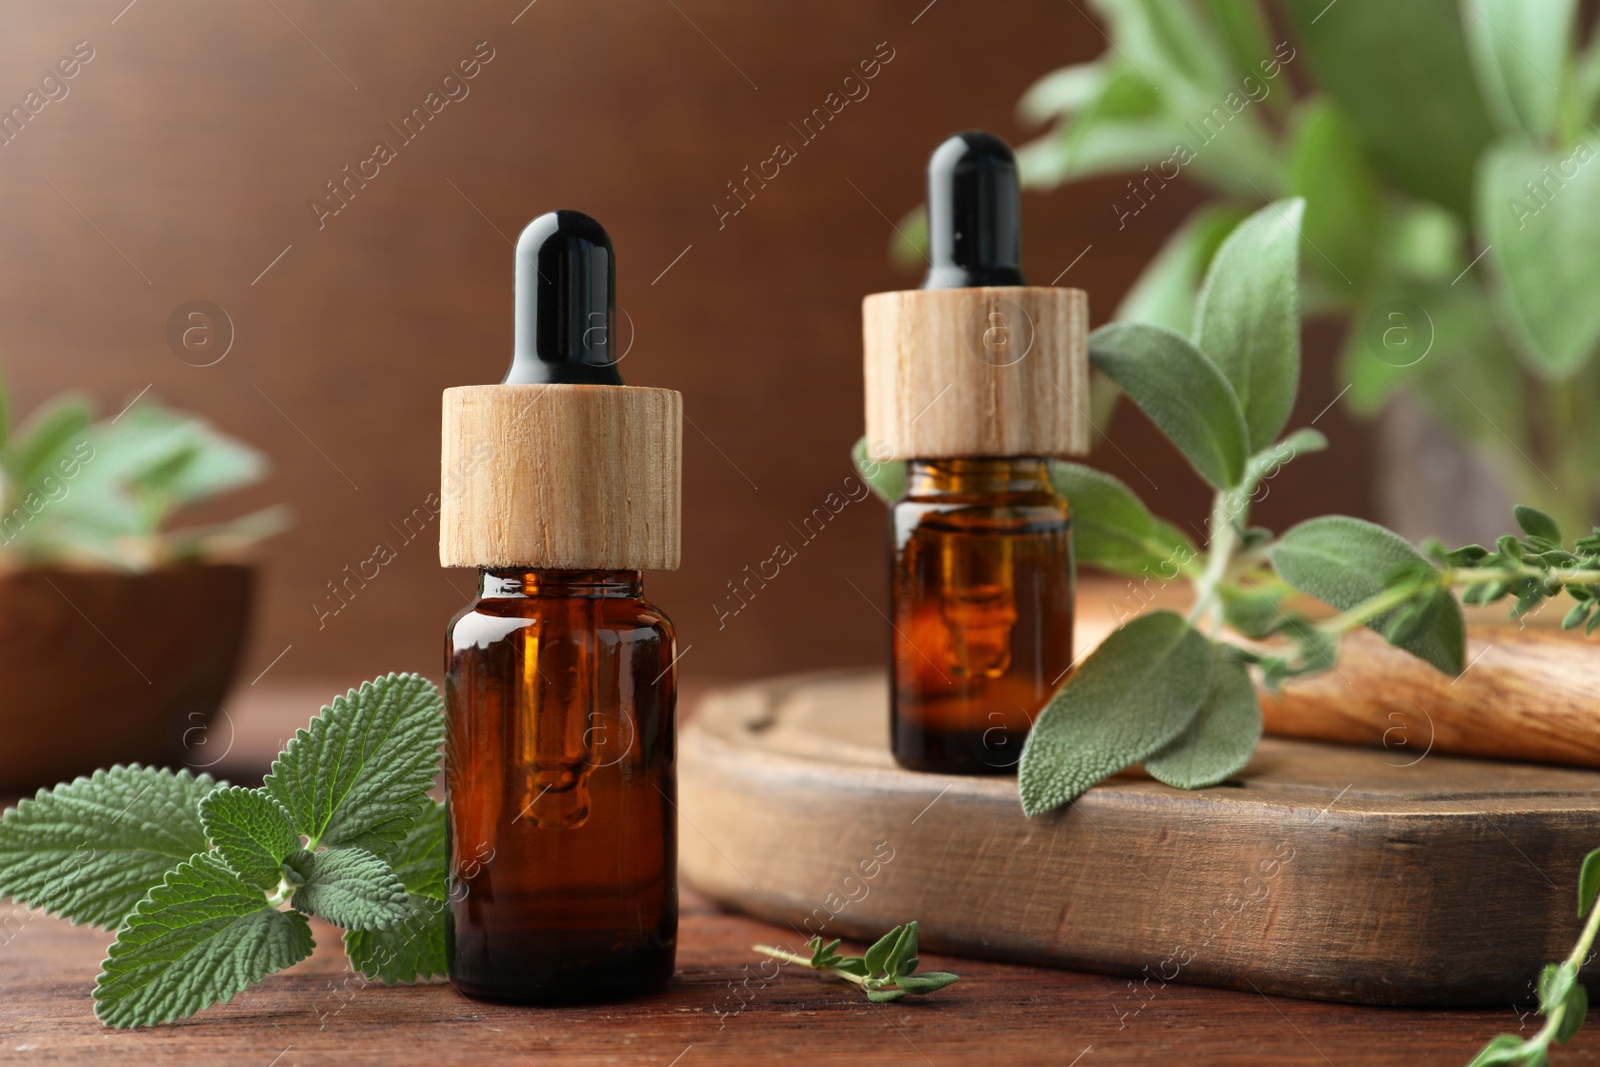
414	947
356	775
1112	529
1180	391
197	939
252	832
1345	561
1127	700
348	887
1220	740
89	850
1247	319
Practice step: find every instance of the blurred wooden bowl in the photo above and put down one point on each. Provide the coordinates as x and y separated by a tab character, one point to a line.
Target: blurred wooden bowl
102	667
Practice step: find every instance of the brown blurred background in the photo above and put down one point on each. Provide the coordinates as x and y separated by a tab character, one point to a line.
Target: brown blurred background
183	164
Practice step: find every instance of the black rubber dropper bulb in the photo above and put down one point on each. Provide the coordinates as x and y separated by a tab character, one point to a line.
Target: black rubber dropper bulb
565	303
974	214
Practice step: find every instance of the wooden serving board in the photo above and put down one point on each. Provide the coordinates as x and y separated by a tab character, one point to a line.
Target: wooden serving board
1324	871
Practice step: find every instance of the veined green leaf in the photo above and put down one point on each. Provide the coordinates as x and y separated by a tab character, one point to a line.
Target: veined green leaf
1220	740
1180	390
357	775
414	947
1112	529
349	887
1345	562
90	849
253	833
1127	700
197	939
1519	49
1247	320
1540	214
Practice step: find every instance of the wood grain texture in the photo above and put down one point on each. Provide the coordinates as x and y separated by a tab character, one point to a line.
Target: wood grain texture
723	1007
995	371
1322	871
1528	695
572	477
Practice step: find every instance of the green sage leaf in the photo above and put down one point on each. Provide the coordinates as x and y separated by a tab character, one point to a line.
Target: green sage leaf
1126	701
877	956
200	937
91	849
1545	249
1399	72
252	832
1519	49
1247	318
357	774
1344	198
1220	740
1112	529
1181	391
1345	561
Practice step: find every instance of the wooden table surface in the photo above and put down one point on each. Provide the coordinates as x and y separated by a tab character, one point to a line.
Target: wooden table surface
719	1009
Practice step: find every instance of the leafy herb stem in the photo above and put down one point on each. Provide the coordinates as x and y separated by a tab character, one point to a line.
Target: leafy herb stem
1219	554
1580	952
805	961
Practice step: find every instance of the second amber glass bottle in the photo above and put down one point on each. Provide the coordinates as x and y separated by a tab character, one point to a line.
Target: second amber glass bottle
982	594
976	380
561	485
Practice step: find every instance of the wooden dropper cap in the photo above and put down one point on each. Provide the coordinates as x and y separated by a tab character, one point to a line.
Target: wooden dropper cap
977	362
561	466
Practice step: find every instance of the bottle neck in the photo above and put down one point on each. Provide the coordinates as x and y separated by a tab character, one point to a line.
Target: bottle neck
978	476
517	582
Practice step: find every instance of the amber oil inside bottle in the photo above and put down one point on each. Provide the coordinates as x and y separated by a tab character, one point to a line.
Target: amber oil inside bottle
561	696
981	588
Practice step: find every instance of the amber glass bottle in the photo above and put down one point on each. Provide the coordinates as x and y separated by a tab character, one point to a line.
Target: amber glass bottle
561	485
982	594
561	689
976	380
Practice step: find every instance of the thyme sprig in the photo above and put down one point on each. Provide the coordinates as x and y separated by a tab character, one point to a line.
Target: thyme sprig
884	973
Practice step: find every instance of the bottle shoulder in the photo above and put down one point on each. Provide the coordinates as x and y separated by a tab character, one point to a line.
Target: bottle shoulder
493	617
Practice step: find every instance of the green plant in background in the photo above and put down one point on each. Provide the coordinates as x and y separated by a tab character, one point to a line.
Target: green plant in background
73	490
1174	692
1446	154
208	886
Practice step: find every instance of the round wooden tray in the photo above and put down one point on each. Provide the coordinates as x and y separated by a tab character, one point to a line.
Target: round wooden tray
1324	871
